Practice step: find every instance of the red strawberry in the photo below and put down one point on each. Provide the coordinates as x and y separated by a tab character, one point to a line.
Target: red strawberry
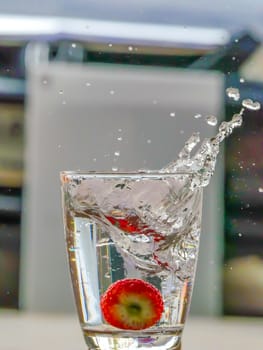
132	225
132	304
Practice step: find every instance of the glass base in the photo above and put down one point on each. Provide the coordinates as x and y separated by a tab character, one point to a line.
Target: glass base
158	341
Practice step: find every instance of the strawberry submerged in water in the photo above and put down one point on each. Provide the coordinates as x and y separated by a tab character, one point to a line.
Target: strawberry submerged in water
132	304
133	225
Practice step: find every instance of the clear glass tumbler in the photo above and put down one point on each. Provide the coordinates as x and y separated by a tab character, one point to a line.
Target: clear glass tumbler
132	244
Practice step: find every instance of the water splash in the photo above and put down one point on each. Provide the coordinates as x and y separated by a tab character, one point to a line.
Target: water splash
252	105
203	162
211	120
233	93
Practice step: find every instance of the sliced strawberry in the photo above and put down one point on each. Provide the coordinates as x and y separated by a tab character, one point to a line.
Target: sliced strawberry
132	304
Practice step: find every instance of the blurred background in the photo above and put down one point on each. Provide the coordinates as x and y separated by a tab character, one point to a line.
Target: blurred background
62	66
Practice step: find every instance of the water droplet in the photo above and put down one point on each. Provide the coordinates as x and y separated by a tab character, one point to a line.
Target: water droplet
117	153
233	93
236	40
149	141
44	81
247	205
181	132
211	120
172	114
252	105
233	58
242	80
107	275
155	102
240	234
74	45
112	92
130	48
110	45
59	146
253	164
197	116
119	138
94	159
87	84
61	92
64	102
120	130
260	189
114	168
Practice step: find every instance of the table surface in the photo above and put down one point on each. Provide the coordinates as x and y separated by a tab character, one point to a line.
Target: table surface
27	331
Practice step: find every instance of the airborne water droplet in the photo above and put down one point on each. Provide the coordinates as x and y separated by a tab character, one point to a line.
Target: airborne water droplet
119	138
61	92
117	153
197	116
211	120
233	93
130	48
172	114
252	105
114	168
260	189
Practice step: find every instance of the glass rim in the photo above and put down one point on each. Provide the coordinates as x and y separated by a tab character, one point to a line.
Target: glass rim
127	174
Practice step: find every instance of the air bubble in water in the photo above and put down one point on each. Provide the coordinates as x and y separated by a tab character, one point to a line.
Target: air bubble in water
233	93
211	120
252	105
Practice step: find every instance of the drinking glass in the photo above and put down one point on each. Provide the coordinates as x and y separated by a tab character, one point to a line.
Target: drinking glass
132	242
